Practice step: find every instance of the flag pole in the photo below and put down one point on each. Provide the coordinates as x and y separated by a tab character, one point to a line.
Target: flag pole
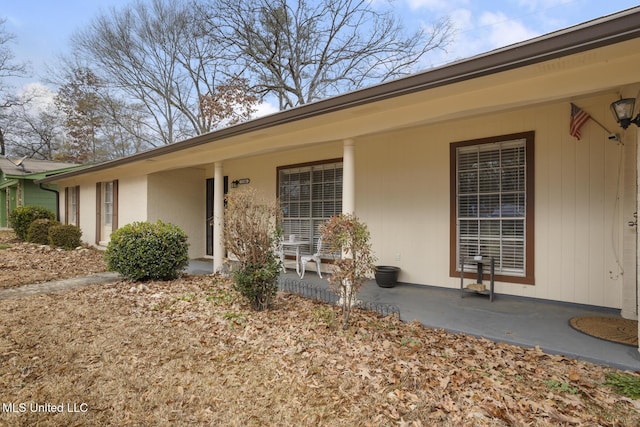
600	124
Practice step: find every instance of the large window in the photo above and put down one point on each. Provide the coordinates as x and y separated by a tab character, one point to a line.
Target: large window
309	194
492	200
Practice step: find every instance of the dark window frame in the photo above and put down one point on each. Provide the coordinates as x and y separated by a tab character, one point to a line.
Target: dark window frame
529	244
311	247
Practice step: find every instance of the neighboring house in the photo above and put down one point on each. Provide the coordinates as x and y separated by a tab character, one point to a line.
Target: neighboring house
474	156
18	186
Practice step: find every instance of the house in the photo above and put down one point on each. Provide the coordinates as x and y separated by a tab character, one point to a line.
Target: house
18	185
472	157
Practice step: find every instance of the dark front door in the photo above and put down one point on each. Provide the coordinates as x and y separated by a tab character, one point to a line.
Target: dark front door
209	227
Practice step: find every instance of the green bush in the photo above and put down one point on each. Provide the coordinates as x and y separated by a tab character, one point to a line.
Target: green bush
39	230
22	217
258	283
66	236
145	251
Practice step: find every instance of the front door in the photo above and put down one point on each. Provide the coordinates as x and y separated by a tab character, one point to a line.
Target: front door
209	212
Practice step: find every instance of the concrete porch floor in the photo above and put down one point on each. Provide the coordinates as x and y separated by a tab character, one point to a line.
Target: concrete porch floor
521	321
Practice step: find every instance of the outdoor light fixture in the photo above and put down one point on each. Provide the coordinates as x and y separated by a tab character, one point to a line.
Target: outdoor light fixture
622	110
234	184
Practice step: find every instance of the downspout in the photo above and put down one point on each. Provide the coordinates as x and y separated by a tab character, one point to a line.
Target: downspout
57	193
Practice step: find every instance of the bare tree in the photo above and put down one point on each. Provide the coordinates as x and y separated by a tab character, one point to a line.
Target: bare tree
35	124
78	99
8	68
157	54
304	50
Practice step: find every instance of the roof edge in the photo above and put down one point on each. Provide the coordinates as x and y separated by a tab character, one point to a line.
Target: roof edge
603	31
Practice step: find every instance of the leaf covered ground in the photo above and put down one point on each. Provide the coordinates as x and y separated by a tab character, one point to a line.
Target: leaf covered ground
191	352
28	263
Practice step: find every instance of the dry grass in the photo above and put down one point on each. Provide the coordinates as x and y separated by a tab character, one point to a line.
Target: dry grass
190	352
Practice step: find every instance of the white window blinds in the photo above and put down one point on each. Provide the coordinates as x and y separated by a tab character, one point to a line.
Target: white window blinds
309	195
491	203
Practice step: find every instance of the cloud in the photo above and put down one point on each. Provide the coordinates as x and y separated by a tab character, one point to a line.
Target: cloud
40	96
264	109
479	32
437	4
502	30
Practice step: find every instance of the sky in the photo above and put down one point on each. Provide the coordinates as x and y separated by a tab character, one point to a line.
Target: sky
42	28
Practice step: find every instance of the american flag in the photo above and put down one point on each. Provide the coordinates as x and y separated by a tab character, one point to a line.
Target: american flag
578	118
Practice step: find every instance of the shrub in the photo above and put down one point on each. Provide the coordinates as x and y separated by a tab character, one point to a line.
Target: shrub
346	234
251	233
145	251
38	231
22	217
66	236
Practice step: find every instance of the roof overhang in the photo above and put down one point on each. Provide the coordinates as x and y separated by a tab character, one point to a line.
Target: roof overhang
8	183
528	73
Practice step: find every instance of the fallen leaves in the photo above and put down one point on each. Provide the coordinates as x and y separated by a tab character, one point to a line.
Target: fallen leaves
190	352
27	263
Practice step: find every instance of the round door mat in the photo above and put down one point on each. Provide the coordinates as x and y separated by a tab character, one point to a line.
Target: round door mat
615	329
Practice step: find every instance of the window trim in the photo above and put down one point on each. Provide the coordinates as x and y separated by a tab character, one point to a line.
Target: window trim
100	207
302	165
529	138
69	193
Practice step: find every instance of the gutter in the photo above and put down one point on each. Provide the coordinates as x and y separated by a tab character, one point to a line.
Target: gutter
57	193
600	32
8	183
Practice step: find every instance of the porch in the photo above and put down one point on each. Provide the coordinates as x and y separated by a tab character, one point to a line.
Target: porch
521	321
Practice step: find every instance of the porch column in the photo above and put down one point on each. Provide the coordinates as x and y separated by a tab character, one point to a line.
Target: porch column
218	217
348	177
637	145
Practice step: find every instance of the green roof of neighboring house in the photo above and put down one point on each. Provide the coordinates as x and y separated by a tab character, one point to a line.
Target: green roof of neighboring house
31	169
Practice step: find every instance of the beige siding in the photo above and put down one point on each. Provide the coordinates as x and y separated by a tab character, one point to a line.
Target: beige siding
402	192
178	197
87	211
132	196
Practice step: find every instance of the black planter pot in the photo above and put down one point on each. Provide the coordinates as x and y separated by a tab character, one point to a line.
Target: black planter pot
387	276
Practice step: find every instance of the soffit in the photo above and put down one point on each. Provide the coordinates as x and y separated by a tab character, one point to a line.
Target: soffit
604	69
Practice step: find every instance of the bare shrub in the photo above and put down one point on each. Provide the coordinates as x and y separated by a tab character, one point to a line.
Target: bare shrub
251	233
346	234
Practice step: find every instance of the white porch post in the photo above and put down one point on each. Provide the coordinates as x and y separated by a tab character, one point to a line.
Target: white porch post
348	198
348	177
637	144
218	217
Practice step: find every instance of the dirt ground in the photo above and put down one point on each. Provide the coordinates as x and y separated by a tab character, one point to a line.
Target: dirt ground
191	352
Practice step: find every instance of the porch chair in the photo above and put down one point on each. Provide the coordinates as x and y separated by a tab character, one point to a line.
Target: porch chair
279	250
315	257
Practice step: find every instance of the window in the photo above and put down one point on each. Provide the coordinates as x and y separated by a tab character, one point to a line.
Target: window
108	203
492	204
309	195
106	210
72	195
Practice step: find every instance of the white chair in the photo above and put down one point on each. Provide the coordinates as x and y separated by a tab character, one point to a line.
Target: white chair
279	250
315	257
